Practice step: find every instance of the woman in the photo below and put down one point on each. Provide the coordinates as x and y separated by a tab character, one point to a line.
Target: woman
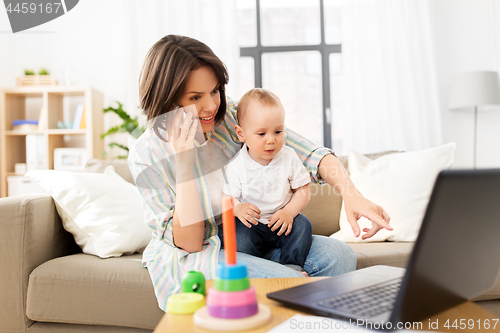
182	185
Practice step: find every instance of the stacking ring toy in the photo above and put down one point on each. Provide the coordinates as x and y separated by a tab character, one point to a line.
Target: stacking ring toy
234	312
235	298
185	303
232	285
231	302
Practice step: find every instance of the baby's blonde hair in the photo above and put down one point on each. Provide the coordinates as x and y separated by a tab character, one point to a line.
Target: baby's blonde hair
263	96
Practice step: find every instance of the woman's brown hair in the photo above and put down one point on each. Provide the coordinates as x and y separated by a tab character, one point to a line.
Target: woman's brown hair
165	72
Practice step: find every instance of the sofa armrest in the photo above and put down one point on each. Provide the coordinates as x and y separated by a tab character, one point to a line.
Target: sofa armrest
31	233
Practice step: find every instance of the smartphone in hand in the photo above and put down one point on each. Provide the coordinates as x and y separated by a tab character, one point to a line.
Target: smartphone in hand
184	115
170	121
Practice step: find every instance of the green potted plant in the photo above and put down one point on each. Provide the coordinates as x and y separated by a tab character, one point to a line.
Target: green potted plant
31	78
130	125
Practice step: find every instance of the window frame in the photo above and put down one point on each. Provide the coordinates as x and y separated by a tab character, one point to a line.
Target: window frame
324	49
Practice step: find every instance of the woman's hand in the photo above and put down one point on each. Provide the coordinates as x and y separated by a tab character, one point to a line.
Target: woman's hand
183	139
281	218
357	206
247	213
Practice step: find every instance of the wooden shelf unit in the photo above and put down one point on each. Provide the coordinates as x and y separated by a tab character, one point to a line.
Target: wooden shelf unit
14	105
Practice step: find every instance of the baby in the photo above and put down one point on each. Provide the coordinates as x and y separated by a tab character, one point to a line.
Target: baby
269	184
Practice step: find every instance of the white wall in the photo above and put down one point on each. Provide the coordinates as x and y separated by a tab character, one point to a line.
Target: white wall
64	43
86	42
466	36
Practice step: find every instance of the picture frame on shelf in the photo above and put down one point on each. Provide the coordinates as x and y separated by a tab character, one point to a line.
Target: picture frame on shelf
70	159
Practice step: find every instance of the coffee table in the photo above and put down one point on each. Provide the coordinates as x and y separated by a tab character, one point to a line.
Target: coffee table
465	313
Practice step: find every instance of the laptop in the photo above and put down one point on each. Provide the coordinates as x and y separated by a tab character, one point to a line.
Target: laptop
456	257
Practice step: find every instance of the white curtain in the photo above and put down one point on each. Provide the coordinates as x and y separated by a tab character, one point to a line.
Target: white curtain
390	97
211	21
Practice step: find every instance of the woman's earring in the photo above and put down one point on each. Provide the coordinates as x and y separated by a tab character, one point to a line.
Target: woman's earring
177	106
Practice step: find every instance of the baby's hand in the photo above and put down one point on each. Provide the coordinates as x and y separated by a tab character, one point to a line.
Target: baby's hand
246	212
281	218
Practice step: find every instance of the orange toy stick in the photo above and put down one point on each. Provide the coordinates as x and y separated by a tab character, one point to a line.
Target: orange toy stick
229	230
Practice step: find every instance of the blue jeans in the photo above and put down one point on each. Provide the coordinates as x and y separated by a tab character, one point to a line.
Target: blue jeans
259	239
327	257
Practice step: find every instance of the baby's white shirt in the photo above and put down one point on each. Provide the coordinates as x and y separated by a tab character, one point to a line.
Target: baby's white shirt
269	187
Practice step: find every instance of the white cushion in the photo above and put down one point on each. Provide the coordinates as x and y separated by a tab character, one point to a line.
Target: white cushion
401	184
101	210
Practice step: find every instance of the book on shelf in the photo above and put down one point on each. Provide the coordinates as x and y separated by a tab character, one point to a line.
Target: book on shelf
42	119
35	154
24	125
80	110
82	123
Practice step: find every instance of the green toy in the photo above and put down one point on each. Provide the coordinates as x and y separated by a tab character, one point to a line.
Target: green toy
193	282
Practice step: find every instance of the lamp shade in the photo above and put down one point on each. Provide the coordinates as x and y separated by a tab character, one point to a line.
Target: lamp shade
471	89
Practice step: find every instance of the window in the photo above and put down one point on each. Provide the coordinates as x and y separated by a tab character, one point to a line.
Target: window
293	48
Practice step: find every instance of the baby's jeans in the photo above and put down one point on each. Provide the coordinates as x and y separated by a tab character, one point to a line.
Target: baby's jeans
259	239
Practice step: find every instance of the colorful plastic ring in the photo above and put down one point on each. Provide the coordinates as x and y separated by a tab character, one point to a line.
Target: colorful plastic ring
235	298
232	285
185	303
233	312
231	272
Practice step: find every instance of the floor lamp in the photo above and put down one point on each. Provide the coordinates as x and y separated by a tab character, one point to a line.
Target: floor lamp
475	92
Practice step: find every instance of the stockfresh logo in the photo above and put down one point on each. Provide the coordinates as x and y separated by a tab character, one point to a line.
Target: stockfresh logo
28	14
